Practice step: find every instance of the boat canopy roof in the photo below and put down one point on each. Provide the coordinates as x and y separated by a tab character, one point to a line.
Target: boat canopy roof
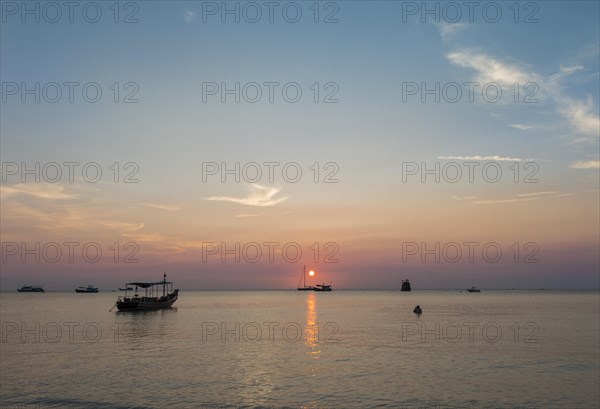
146	285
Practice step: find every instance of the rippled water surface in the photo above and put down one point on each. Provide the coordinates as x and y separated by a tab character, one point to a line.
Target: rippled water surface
344	349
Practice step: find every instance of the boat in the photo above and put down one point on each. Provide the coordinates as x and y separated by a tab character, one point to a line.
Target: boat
474	290
89	289
318	287
405	285
126	289
30	289
303	281
322	287
151	300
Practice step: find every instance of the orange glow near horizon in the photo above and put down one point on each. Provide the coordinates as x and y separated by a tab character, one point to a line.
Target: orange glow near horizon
311	273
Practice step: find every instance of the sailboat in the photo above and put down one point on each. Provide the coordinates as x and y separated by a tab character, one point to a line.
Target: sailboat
318	287
303	281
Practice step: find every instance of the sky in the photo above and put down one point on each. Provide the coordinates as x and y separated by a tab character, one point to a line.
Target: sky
229	144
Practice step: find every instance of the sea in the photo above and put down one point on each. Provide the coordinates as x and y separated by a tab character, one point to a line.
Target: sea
303	349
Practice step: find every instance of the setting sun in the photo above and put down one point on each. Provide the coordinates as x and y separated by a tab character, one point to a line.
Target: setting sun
311	273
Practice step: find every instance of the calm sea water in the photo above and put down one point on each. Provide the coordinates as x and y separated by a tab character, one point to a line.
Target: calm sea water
344	349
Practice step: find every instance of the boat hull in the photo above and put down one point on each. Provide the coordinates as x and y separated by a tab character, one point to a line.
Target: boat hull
86	291
40	290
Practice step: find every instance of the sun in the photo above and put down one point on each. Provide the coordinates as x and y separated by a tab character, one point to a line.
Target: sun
311	273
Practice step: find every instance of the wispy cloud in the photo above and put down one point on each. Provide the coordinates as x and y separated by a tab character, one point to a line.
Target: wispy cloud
490	69
448	29
588	164
535	194
168	208
581	115
525	197
521	126
244	215
461	198
258	196
38	190
490	158
189	16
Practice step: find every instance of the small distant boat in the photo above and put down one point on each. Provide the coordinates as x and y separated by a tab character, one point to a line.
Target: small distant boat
126	289
318	287
405	285
89	289
474	290
151	299
30	289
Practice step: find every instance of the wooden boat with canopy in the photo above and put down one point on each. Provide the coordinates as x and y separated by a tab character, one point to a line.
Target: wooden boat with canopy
152	298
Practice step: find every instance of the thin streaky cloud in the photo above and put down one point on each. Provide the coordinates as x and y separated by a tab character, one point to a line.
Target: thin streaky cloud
536	194
168	208
259	196
588	164
490	158
37	190
505	201
521	127
244	215
460	198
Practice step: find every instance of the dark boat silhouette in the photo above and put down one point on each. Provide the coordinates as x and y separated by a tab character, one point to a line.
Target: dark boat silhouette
318	287
151	299
30	289
89	289
405	285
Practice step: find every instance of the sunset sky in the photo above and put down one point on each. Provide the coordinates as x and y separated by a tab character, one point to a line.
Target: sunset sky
369	132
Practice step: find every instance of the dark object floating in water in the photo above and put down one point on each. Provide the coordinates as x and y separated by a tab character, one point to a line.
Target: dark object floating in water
126	289
89	289
405	285
30	289
418	310
151	300
474	290
318	287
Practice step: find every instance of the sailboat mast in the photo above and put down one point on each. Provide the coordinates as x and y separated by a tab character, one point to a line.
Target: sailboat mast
304	275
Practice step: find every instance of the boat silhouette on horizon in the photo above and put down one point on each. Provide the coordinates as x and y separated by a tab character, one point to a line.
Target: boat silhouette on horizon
89	289
317	287
30	289
151	300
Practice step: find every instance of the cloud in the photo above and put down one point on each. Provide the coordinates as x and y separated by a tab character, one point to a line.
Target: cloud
588	164
448	29
259	196
535	194
581	115
478	157
521	126
525	197
37	190
162	207
490	69
504	201
570	69
460	198
189	16
244	215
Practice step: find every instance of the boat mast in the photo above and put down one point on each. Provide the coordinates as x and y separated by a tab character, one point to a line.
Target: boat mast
304	275
164	282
